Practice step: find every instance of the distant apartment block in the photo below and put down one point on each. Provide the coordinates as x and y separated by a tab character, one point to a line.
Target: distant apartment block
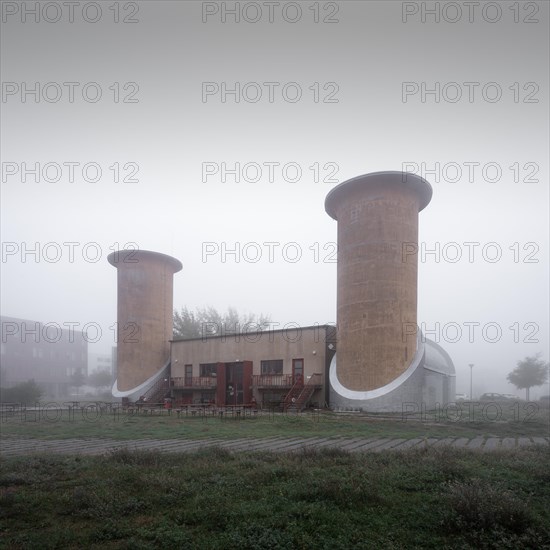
49	353
100	361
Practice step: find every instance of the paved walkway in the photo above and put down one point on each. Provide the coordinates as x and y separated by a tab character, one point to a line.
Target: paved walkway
19	446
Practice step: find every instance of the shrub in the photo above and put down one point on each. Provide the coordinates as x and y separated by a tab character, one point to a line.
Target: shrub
257	537
26	393
480	506
123	455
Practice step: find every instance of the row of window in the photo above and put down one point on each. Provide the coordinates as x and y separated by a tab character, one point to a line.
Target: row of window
268	367
72	371
207	369
39	353
272	366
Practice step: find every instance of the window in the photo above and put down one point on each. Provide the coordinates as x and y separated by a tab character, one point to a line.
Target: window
272	366
208	369
188	372
207	397
298	369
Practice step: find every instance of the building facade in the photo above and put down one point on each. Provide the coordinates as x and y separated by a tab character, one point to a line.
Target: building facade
264	367
144	317
383	361
100	362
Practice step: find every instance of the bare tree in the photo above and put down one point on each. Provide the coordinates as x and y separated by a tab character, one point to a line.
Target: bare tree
208	321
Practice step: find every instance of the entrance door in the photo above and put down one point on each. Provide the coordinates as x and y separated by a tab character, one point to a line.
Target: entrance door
234	384
188	380
298	371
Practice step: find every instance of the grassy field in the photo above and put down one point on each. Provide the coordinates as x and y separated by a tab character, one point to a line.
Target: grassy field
425	498
56	424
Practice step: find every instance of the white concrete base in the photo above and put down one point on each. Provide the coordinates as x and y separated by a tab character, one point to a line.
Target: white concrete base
431	366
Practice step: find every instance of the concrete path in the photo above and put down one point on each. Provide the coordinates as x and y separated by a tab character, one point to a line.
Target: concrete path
19	446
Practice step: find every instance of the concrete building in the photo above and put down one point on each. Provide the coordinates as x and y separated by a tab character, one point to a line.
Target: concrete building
100	361
144	317
47	353
382	357
114	369
382	360
268	367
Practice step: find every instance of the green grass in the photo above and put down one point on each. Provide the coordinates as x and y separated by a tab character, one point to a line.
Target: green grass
213	499
59	425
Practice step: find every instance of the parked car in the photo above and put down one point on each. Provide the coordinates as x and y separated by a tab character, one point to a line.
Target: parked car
492	397
462	397
511	396
545	400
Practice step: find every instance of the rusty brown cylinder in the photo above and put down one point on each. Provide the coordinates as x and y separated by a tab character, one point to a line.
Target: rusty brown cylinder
144	313
377	218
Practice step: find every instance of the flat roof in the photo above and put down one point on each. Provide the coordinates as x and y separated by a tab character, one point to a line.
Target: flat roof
229	334
406	180
129	257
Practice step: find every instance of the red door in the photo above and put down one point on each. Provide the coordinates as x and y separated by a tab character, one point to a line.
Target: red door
188	380
298	371
247	382
220	388
234	383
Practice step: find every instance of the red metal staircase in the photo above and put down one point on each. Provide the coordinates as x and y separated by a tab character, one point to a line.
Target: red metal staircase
158	391
292	396
299	395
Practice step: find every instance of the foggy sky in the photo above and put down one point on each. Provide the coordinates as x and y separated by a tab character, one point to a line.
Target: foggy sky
360	62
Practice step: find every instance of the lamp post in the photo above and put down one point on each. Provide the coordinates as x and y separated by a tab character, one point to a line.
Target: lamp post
471	365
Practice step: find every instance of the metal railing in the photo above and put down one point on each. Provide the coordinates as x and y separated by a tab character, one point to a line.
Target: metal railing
272	380
194	382
315	379
157	391
300	394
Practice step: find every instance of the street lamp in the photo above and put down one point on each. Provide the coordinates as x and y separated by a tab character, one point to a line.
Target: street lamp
471	365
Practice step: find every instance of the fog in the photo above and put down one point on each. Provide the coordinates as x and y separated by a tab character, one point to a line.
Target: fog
137	132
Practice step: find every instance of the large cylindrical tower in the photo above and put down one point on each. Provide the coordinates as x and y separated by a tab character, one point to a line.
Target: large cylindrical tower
377	218
145	314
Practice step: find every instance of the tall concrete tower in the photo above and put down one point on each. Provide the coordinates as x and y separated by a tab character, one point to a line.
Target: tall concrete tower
144	316
377	218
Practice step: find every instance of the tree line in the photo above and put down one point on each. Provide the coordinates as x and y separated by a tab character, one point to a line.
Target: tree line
208	321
